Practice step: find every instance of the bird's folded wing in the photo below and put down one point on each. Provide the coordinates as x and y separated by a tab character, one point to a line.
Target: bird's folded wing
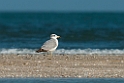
50	44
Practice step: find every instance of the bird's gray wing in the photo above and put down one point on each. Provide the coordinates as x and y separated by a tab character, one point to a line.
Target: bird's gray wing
48	45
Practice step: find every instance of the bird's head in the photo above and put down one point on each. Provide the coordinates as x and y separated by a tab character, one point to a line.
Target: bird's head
54	36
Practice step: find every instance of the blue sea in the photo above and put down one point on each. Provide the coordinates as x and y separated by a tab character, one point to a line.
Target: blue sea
81	32
62	80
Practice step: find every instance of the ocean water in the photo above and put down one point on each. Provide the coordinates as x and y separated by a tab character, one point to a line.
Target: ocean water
62	80
81	32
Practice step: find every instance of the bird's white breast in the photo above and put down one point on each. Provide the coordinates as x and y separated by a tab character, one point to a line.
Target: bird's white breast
53	49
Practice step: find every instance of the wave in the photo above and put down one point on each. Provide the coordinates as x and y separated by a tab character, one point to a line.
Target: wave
17	51
67	51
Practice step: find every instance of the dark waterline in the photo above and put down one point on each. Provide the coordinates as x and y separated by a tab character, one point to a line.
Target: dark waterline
61	80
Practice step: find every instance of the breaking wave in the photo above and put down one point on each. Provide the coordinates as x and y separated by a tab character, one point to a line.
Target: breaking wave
67	51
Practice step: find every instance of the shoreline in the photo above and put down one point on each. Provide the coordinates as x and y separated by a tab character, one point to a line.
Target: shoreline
70	66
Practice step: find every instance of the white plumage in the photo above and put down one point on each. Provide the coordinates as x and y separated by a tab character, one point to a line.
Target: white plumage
50	45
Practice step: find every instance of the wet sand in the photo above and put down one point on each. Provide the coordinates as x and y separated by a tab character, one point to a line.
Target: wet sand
81	66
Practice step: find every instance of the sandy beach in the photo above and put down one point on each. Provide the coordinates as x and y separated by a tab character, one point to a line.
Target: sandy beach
81	66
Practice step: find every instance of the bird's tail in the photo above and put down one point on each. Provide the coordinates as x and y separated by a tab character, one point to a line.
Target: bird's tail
41	50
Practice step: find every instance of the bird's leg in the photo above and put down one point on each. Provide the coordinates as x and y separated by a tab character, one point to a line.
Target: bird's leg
50	53
47	53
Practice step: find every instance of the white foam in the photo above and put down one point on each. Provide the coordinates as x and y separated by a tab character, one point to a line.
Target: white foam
67	51
17	51
91	51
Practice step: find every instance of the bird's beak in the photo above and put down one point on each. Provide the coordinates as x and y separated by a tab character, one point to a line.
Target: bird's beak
58	36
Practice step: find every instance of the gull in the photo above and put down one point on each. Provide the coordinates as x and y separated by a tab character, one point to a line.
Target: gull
50	45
